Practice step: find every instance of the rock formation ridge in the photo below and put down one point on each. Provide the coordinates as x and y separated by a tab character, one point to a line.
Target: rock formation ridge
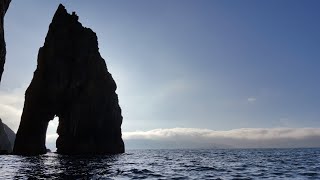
7	137
72	82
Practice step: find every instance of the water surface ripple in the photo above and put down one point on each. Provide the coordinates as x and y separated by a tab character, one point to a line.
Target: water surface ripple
168	164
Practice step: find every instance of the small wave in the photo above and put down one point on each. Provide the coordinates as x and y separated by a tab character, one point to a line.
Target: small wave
205	168
143	171
311	174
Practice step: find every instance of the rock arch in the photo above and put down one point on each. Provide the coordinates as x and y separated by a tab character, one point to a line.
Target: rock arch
72	82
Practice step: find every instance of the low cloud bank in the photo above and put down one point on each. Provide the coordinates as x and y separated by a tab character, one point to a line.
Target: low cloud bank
236	138
11	105
245	133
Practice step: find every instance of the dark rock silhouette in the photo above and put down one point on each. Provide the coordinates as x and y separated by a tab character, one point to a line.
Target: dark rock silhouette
7	137
10	133
72	82
4	5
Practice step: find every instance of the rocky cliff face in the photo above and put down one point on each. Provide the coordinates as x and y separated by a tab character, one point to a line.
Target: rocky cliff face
5	144
6	138
72	82
4	4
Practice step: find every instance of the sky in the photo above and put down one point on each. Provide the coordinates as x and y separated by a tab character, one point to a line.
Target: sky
187	65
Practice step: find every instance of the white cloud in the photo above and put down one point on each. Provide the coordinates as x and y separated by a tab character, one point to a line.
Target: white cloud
242	138
11	105
244	133
51	138
251	99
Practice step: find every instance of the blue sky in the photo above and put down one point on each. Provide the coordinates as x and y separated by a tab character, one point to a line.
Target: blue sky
219	65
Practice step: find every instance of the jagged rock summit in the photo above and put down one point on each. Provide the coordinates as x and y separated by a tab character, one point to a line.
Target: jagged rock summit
72	82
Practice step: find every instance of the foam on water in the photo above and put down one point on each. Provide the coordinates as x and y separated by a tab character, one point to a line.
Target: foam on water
169	164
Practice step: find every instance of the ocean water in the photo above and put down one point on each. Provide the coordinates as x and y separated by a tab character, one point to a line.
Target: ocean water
168	164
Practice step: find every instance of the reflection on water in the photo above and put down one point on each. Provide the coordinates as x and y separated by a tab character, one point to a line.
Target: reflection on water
54	166
167	164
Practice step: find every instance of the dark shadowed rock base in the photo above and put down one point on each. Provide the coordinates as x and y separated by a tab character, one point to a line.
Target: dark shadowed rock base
72	82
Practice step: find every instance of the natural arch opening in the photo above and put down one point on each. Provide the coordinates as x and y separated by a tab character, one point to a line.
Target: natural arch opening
52	135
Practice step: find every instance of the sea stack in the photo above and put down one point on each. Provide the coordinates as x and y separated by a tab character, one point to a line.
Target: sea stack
4	5
72	82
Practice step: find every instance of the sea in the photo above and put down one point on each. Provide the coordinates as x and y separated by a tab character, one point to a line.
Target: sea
168	164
